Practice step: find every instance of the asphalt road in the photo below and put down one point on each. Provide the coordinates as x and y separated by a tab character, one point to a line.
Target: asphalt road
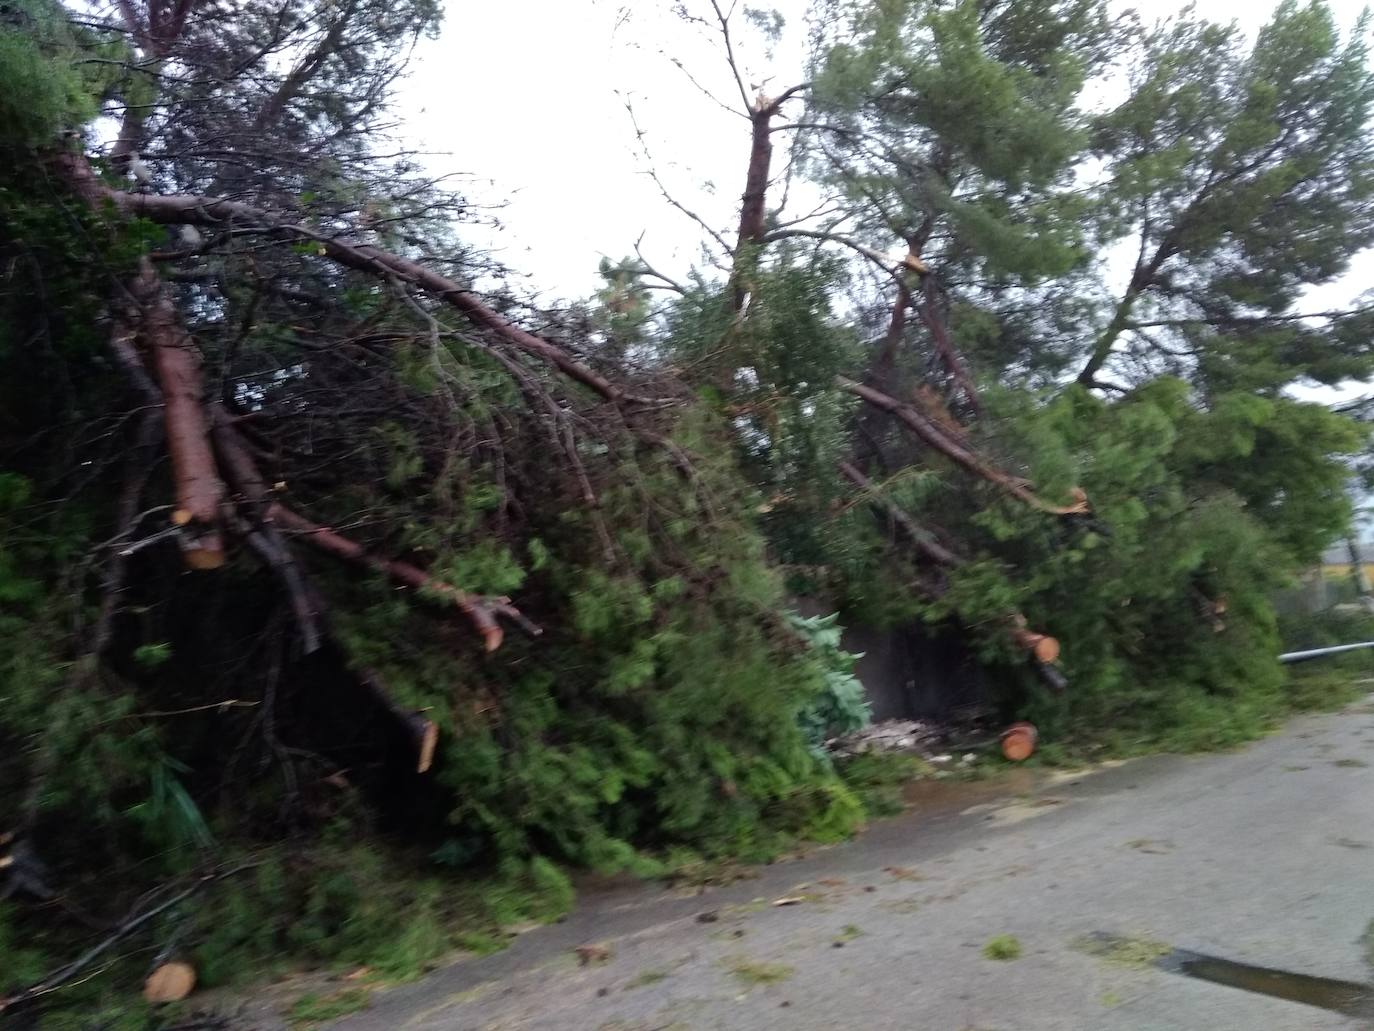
1263	856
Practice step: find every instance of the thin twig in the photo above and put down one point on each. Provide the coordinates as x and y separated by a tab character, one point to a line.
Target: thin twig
64	974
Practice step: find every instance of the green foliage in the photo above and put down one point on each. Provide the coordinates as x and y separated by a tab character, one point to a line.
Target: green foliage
982	102
1002	947
750	972
662	712
843	706
311	1009
878	778
1242	175
672	712
24	965
153	655
1168	616
169	811
44	87
346	905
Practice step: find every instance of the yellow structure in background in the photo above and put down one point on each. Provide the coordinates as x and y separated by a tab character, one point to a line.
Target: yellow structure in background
1336	562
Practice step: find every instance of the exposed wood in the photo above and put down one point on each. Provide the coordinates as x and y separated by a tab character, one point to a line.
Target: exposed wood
1042	648
423	731
482	611
1019	741
131	923
175	360
170	982
176	367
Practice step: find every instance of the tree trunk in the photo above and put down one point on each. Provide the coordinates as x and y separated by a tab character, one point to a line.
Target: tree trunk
939	333
1357	574
176	365
753	203
1102	350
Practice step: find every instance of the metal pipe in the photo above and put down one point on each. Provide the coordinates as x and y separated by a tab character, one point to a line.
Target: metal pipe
1317	653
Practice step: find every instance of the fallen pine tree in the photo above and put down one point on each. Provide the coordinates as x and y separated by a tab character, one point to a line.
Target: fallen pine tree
285	462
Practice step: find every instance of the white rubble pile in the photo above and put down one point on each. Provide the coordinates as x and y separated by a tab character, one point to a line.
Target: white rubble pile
887	736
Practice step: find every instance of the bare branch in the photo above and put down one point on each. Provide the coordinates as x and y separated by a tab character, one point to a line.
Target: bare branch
653	175
1248	320
364	257
704	91
724	20
482	611
893	266
648	270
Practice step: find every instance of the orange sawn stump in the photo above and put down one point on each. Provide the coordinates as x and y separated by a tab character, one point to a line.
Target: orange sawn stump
170	982
1019	741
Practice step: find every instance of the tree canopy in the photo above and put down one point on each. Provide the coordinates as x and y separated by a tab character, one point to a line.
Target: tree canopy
317	537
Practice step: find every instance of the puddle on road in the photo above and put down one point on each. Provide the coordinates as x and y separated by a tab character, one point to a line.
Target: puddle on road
1348	998
1345	997
1012	795
939	795
932	795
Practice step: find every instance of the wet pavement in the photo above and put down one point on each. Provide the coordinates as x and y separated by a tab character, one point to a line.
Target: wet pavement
1229	891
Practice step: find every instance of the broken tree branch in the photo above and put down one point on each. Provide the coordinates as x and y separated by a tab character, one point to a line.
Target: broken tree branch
482	611
182	209
894	265
132	923
935	437
424	732
924	540
1042	648
176	364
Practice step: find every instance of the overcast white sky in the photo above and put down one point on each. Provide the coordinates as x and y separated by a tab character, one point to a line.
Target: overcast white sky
528	97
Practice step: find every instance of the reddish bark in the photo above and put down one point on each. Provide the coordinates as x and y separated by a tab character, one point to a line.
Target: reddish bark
175	360
753	202
175	363
753	211
240	468
939	333
482	611
251	498
885	364
936	437
181	209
